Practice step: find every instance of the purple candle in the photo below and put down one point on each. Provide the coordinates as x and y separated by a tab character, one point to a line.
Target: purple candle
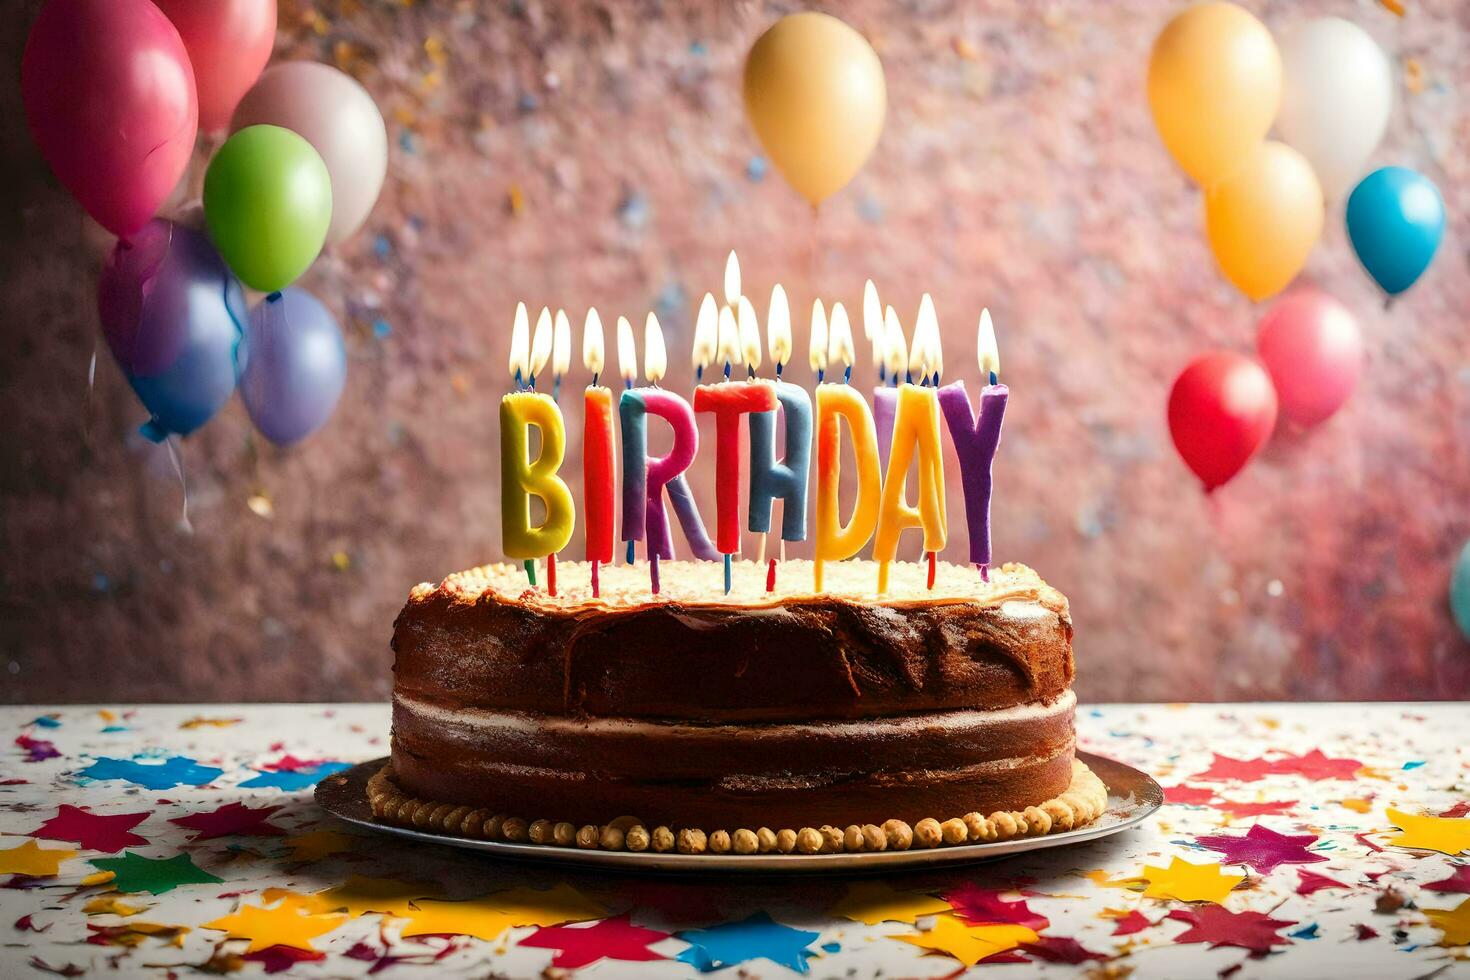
885	407
975	441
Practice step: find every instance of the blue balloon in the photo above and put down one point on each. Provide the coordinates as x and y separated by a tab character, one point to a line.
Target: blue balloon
297	366
1395	218
174	316
1460	591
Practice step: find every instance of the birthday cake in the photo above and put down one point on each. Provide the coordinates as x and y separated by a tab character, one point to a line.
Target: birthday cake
785	721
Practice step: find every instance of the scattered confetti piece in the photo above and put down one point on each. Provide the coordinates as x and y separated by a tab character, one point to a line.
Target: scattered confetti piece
230	820
135	873
1129	921
1448	835
1189	882
1061	949
360	895
872	902
318	844
430	917
610	939
111	905
37	749
1263	849
1221	927
292	780
285	924
969	944
1310	882
1457	882
1103	879
548	907
279	959
94	831
33	860
199	721
1454	924
984	906
1188	795
166	774
758	937
132	934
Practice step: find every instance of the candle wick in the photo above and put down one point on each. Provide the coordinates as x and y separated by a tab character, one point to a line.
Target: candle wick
595	376
533	382
847	374
882	374
936	379
519	383
628	383
698	373
821	375
779	365
908	378
727	370
994	378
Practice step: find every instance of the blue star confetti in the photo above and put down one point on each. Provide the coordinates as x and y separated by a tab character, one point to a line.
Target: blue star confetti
177	770
757	937
294	779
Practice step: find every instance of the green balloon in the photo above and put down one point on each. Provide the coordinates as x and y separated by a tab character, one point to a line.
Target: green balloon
268	203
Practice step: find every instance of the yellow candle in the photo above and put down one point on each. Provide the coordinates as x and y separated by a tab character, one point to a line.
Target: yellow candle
834	540
522	477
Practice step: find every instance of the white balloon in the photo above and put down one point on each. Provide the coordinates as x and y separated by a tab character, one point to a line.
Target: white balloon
1336	93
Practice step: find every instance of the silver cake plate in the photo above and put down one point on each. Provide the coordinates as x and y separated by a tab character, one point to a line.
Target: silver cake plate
1133	796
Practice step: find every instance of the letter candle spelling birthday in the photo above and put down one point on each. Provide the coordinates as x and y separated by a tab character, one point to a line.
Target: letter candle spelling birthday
786	479
835	541
915	434
976	439
597	454
522	477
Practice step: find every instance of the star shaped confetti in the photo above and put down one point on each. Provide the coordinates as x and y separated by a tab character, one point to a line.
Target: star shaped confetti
1458	881
1223	767
37	749
1262	848
1188	795
1102	879
1221	927
610	939
135	873
318	844
359	895
758	937
547	907
1061	949
33	860
1189	882
1454	924
969	944
175	771
1316	766
285	924
872	902
111	904
279	959
133	934
1128	921
230	820
1265	808
1448	835
94	831
430	917
984	906
1311	882
291	780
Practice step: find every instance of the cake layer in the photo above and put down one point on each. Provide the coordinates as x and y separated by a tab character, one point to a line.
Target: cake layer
484	640
798	774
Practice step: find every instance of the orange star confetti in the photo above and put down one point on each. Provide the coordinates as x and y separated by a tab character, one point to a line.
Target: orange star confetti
111	905
1189	882
872	902
1101	879
1447	835
360	896
37	862
286	924
1453	923
474	918
199	721
551	907
969	944
319	844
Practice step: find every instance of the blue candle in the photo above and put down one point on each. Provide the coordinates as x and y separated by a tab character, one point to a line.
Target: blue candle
786	479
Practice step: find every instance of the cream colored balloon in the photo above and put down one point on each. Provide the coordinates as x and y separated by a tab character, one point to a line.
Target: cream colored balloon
814	92
1214	85
1263	221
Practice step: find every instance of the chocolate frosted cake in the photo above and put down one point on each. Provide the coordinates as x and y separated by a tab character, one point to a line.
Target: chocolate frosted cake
755	721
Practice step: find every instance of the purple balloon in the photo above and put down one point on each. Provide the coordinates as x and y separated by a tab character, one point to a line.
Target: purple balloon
174	316
297	366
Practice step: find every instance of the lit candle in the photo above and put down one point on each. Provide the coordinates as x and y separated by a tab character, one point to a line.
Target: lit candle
976	438
597	453
540	345
522	477
786	479
706	329
885	399
873	327
816	352
837	403
915	434
561	352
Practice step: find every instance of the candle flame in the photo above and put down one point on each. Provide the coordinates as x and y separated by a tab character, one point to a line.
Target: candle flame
593	355
706	327
561	345
750	335
778	327
926	336
895	347
627	351
541	342
732	279
520	344
986	351
817	352
839	338
655	358
729	338
873	321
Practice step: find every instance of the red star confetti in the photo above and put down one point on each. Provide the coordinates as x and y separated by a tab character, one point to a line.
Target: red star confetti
978	906
1188	795
1311	881
279	959
37	749
1061	949
1460	809
94	831
1262	848
610	939
1219	926
1129	921
1366	932
231	819
1268	808
1458	881
1245	770
1316	766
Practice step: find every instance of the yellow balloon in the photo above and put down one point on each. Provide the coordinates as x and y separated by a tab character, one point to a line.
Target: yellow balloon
814	92
1214	85
1264	220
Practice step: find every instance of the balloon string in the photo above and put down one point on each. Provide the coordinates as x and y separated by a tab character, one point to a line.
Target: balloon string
176	457
91	388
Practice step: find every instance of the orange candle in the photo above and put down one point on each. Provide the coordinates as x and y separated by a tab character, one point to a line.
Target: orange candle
835	541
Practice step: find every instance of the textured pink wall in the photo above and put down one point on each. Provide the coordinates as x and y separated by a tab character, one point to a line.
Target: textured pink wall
581	154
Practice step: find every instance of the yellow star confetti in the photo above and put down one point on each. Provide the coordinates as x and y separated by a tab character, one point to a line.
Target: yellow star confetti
551	907
199	721
132	934
33	860
1101	879
360	896
1357	804
474	918
1189	882
111	905
969	944
319	844
1447	835
282	925
872	902
1454	923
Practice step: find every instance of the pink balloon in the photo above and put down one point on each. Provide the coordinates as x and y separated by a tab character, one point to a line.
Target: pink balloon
1311	345
1221	410
229	42
109	95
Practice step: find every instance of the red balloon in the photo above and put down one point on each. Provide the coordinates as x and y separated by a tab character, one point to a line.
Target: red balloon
1311	345
109	95
229	42
1221	410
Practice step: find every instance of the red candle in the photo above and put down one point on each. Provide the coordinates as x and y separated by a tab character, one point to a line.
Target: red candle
729	401
597	473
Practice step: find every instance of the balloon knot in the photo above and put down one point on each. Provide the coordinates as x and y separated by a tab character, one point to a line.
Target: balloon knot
274	297
153	431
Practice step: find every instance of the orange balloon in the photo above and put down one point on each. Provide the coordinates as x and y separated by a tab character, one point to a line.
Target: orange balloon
1214	85
1263	221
